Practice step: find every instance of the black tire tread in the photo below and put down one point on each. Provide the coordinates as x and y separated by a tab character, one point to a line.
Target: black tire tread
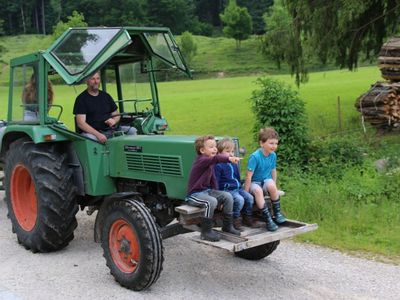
56	221
152	251
259	252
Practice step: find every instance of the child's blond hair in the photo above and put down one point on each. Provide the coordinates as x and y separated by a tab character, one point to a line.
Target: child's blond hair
225	144
266	134
200	141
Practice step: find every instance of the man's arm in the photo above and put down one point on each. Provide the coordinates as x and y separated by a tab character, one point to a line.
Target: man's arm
85	127
115	117
247	182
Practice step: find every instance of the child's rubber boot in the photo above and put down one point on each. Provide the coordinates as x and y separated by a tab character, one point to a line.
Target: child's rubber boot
206	231
227	225
271	226
279	217
250	222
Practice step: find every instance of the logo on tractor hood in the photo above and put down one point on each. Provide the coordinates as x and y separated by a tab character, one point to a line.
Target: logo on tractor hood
130	148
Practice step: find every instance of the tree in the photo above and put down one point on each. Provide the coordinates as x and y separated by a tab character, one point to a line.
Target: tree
188	46
178	15
275	42
75	20
257	9
237	20
338	30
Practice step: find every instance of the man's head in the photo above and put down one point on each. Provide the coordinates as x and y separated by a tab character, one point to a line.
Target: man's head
206	145
93	83
226	146
268	139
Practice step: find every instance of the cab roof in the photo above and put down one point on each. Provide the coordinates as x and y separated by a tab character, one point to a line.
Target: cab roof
79	52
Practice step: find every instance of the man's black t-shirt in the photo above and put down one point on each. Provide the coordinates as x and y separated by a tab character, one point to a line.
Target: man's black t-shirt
96	108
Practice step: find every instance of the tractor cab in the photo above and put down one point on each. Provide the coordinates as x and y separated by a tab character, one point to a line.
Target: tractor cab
127	58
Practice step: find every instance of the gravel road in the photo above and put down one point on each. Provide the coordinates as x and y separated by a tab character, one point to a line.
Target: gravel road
191	270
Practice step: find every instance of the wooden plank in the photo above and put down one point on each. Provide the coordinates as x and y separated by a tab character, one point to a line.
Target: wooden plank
253	237
280	234
188	209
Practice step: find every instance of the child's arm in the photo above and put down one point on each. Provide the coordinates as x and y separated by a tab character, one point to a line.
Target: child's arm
217	172
234	159
247	182
274	175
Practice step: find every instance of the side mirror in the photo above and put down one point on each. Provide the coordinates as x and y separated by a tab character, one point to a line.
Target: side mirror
242	151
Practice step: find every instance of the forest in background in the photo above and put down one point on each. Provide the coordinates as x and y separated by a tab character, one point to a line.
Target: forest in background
200	17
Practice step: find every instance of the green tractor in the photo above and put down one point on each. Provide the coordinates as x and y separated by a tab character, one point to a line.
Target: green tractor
135	183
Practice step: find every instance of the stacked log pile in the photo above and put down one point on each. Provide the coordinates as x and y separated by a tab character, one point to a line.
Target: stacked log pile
389	60
380	106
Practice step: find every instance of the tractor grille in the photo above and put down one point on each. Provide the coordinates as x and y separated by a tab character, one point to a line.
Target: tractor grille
168	165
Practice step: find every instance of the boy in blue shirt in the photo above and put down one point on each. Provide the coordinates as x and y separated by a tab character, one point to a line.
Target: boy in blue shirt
228	178
261	177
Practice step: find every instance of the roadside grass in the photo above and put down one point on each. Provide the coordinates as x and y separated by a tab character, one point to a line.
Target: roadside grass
359	212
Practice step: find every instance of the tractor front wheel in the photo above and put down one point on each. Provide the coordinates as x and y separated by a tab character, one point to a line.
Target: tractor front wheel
132	244
40	195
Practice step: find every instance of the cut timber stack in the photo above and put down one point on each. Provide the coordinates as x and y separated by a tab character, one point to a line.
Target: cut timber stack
380	106
389	59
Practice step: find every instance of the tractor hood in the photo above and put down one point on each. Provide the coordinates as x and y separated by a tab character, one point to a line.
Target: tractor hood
79	52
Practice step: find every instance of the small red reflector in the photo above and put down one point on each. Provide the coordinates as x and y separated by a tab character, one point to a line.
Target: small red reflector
50	137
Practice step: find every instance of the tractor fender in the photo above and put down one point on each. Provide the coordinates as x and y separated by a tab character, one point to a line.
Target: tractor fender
73	161
98	225
36	133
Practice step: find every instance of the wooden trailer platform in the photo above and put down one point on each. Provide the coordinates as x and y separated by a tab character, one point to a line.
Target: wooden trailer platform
249	238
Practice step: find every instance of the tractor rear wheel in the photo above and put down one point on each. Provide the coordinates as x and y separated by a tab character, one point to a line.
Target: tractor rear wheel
258	252
132	244
40	195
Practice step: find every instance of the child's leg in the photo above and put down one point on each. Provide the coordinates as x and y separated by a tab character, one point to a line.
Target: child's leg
271	188
259	197
248	200
276	205
258	194
248	210
238	203
226	199
203	199
223	198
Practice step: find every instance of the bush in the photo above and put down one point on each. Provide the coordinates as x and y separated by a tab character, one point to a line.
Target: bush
277	105
329	157
188	46
75	20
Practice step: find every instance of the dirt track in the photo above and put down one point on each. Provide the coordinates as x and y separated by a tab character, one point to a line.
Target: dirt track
191	270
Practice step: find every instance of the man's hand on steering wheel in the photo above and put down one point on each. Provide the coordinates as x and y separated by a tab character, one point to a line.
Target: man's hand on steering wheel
110	122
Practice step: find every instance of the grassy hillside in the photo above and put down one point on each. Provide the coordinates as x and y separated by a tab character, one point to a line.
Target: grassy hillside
17	46
214	55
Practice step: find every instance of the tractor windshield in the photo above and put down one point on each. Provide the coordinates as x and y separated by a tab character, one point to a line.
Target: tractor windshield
163	46
78	49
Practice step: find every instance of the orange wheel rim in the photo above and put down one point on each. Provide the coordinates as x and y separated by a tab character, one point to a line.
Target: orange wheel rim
23	197
124	246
